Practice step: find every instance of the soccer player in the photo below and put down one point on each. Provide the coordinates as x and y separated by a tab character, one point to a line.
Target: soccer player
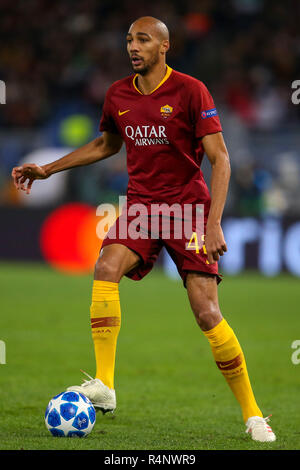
167	120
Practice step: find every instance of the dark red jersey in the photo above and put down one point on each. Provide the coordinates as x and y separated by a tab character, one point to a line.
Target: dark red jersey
163	134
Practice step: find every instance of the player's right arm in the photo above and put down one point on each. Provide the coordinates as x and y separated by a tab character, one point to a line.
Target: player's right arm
100	148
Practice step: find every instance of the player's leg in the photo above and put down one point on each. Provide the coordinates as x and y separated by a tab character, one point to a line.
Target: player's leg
130	256
203	297
227	352
114	262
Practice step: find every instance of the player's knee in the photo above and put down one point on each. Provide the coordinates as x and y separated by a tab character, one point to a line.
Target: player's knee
105	270
208	318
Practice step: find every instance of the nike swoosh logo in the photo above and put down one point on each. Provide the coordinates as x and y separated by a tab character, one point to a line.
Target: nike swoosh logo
123	112
227	365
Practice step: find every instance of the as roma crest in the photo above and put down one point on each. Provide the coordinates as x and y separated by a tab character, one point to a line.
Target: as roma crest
166	111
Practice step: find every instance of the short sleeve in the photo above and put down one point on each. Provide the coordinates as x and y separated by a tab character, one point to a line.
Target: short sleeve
203	111
107	122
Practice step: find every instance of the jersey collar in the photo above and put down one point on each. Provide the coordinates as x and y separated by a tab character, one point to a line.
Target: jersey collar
168	73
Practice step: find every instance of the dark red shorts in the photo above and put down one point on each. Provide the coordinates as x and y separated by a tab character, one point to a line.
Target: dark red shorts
188	252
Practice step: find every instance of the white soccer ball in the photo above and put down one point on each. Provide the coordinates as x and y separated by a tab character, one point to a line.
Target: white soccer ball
70	414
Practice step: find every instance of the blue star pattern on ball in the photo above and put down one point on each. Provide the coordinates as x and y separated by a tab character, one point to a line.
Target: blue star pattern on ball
68	410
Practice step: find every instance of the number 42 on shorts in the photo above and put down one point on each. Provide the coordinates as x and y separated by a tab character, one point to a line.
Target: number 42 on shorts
193	244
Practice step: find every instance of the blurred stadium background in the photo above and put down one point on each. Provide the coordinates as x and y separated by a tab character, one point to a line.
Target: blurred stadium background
58	59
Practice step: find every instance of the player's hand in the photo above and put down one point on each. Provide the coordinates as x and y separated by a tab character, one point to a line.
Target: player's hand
25	175
214	242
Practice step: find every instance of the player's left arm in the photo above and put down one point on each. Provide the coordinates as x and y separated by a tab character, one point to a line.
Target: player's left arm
216	151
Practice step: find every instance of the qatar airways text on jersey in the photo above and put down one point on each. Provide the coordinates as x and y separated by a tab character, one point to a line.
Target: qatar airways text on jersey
147	135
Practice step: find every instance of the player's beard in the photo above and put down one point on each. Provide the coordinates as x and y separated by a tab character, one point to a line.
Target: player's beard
148	66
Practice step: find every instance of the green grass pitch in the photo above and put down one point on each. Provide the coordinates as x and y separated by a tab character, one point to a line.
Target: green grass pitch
170	393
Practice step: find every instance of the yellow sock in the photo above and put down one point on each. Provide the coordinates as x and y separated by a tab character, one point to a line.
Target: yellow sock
106	322
230	360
